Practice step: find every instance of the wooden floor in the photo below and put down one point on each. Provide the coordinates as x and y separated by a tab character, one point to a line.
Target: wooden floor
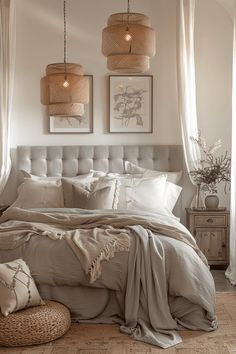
106	339
221	283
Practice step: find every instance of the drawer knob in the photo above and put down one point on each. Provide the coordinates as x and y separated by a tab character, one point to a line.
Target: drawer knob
210	220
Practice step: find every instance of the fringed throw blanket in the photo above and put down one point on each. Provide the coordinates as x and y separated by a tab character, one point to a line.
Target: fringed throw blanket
91	245
95	245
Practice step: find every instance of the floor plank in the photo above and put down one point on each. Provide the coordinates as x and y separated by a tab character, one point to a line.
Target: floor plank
221	283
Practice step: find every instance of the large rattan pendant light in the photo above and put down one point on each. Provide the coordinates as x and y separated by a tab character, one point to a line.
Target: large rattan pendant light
128	42
64	89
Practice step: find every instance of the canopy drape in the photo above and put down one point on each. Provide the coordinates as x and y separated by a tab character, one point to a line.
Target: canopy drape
231	270
7	68
186	82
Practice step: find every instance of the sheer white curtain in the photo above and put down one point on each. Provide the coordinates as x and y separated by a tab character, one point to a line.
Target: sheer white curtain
186	81
231	271
7	64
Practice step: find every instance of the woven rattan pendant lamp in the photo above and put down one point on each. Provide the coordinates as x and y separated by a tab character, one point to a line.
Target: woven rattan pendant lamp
64	89
128	42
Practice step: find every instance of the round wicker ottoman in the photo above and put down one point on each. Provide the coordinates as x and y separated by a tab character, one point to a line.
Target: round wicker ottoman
35	325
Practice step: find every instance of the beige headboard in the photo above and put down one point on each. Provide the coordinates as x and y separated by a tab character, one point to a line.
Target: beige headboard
74	160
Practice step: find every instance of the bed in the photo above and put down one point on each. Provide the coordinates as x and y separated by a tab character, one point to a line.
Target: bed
105	240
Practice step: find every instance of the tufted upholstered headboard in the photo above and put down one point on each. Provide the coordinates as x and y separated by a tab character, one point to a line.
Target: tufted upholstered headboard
74	160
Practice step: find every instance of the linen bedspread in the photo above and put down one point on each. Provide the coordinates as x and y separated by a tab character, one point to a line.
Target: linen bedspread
163	275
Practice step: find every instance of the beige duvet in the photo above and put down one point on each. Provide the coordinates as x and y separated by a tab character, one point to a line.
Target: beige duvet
151	261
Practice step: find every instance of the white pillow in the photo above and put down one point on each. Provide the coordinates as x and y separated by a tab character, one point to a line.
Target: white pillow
147	194
96	173
84	181
17	287
39	194
131	168
171	195
129	183
171	191
100	174
103	196
125	181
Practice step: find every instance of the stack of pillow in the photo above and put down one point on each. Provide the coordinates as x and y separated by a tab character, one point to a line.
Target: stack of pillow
136	189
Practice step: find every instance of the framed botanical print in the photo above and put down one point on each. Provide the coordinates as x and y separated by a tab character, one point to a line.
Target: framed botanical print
131	104
78	124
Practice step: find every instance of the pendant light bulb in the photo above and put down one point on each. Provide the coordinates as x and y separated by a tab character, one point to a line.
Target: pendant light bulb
65	83
128	36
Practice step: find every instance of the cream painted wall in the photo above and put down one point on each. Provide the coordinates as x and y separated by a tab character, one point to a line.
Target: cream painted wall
213	60
40	42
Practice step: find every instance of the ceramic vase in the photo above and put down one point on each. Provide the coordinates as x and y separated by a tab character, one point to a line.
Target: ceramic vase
212	201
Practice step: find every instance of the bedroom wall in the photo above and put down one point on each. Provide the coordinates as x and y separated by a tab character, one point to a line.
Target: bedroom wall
213	60
40	42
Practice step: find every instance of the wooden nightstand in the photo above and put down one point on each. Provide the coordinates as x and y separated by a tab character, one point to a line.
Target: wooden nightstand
211	231
3	208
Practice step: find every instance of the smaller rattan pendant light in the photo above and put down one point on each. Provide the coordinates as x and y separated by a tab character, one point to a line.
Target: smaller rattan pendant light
64	89
128	42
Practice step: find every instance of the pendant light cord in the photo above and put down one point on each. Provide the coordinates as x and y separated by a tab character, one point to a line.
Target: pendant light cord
64	15
127	27
128	12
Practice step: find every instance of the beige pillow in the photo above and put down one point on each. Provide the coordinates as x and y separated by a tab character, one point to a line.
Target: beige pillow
103	196
84	181
17	287
39	194
131	168
39	178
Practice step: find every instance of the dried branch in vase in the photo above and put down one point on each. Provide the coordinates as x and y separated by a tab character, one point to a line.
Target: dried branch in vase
211	170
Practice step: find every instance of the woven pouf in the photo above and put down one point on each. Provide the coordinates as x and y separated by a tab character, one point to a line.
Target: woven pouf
35	325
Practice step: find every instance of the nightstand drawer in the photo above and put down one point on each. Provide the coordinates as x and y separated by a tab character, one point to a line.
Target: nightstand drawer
210	220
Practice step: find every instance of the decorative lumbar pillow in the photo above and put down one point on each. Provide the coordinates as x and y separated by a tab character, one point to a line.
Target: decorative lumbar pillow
17	287
131	168
104	195
39	194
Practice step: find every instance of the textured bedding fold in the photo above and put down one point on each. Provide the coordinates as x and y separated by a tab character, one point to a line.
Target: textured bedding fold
165	279
55	225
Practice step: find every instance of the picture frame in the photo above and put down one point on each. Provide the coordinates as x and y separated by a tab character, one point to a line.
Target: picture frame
75	125
131	103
